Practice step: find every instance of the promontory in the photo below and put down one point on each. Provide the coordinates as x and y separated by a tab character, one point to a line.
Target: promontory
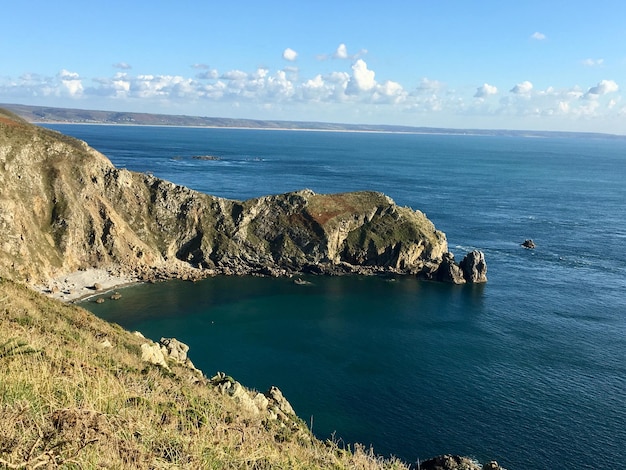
79	392
65	207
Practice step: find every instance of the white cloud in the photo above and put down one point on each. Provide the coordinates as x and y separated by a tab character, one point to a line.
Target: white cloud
345	90
389	92
341	52
593	62
67	75
210	74
71	83
485	90
362	78
234	75
523	88
602	88
538	36
289	54
427	85
122	65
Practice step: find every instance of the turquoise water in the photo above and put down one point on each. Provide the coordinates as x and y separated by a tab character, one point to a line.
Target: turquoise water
529	369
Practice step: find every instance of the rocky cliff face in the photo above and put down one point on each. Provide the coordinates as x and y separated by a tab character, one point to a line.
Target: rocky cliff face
65	207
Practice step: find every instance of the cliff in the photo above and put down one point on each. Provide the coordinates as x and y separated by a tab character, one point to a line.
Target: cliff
65	207
76	391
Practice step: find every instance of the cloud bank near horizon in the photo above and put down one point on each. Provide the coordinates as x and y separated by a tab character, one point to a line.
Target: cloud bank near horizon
351	85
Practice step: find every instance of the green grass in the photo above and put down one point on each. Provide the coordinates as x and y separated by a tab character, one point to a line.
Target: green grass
66	401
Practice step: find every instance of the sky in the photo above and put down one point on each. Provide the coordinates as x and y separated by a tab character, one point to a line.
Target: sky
537	65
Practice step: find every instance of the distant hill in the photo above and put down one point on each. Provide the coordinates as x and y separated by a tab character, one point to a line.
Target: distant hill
43	114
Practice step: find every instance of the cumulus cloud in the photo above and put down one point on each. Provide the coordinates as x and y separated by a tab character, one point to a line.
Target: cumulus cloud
485	90
122	65
537	36
155	86
289	54
234	75
389	92
350	83
71	83
523	88
362	78
602	88
67	75
593	62
341	52
209	74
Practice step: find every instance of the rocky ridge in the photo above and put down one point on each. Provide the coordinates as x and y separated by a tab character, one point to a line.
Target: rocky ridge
64	207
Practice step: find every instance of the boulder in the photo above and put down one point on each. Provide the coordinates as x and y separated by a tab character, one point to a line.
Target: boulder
176	350
152	353
242	396
474	267
275	396
449	462
528	244
493	465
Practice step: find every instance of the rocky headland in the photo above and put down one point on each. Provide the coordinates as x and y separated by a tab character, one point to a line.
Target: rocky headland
77	391
64	208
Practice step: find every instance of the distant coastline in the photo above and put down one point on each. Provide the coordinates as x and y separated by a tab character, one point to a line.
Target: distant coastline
54	115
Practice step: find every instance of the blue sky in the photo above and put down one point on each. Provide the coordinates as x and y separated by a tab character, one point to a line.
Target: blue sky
547	65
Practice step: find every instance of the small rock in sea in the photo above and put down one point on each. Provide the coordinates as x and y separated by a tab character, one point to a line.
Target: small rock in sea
529	244
100	300
116	296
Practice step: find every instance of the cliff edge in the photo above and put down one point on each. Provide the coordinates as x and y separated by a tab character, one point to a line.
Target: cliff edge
65	207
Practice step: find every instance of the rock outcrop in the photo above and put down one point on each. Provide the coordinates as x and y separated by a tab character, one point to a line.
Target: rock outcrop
456	462
474	267
65	207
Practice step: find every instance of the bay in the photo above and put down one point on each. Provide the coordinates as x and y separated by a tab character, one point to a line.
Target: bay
529	369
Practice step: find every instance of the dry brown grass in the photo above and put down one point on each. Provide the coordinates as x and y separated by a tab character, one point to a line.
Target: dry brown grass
67	401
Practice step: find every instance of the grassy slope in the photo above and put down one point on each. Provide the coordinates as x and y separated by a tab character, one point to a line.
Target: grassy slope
67	400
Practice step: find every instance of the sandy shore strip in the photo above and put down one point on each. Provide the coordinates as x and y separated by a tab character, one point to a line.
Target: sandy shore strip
81	285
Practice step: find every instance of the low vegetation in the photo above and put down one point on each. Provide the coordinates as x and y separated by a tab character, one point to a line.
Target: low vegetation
75	393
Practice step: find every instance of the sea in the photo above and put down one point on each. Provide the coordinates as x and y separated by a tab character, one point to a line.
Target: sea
528	369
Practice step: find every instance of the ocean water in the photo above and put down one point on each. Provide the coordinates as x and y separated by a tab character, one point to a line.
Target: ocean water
528	369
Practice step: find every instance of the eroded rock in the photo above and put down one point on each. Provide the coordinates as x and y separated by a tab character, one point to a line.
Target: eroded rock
152	353
474	267
449	271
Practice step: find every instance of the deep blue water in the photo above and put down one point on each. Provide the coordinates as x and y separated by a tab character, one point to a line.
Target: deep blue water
529	369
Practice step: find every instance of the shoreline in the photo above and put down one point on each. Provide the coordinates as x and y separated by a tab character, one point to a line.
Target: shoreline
79	286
